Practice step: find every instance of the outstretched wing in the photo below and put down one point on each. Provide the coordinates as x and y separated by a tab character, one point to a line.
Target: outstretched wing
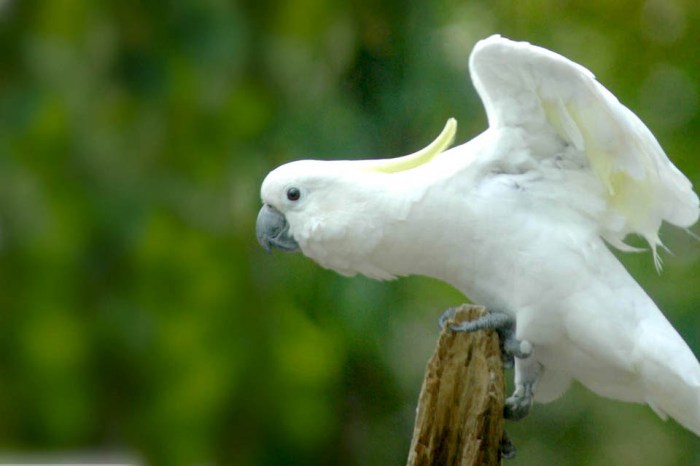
525	86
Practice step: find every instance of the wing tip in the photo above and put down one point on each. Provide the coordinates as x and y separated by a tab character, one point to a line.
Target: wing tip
492	41
497	43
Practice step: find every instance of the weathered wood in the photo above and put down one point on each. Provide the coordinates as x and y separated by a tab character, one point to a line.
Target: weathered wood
459	419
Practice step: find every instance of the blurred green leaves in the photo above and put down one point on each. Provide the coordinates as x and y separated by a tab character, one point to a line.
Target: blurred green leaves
137	312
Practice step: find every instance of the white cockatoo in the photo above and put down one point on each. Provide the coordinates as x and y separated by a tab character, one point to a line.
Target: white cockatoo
518	219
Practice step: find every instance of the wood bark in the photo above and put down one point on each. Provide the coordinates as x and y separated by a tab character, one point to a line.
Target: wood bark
459	419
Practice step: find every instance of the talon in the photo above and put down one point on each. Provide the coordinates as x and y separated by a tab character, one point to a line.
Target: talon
503	323
507	360
518	405
449	314
506	448
515	409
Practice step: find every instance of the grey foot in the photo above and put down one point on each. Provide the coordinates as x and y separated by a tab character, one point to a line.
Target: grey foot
447	315
518	404
493	320
506	448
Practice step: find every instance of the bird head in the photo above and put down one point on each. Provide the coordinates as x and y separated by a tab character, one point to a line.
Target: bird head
335	211
305	200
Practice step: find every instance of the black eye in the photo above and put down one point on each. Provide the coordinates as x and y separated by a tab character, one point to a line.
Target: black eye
293	194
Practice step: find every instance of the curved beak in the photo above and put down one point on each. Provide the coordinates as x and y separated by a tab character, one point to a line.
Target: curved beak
272	230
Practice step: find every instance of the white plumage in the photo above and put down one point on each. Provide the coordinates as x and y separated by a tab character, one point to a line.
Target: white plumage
516	219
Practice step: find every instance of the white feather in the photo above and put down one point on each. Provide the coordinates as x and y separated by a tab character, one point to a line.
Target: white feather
516	218
524	86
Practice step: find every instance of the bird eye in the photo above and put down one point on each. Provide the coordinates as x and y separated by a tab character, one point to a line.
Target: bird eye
293	194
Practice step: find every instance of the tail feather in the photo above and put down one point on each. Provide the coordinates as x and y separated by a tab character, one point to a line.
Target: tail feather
685	409
671	376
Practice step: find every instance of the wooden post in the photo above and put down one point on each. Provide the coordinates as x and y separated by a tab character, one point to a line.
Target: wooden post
459	419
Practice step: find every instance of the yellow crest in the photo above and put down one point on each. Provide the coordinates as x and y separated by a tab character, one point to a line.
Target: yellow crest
407	162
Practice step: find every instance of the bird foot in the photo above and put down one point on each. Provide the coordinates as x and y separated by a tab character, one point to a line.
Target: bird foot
518	405
502	323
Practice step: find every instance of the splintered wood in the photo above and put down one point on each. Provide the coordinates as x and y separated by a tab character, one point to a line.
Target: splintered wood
459	419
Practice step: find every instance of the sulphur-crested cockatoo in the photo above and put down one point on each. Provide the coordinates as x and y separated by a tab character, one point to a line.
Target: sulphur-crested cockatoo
518	219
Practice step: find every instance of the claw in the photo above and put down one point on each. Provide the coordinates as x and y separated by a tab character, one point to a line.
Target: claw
507	359
449	314
518	405
506	448
503	323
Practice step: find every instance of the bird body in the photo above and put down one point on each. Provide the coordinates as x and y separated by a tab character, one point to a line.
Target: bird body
517	219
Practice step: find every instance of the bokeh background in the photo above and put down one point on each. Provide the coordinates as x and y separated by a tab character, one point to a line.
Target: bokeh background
139	317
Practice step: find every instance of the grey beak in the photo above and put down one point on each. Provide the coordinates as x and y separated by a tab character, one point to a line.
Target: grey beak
272	230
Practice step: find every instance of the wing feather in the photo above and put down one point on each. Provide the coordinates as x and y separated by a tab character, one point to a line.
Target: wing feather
541	92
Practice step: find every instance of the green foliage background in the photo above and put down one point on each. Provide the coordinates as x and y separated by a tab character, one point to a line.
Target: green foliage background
138	315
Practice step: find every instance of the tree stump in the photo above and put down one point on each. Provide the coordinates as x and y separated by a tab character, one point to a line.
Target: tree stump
459	419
